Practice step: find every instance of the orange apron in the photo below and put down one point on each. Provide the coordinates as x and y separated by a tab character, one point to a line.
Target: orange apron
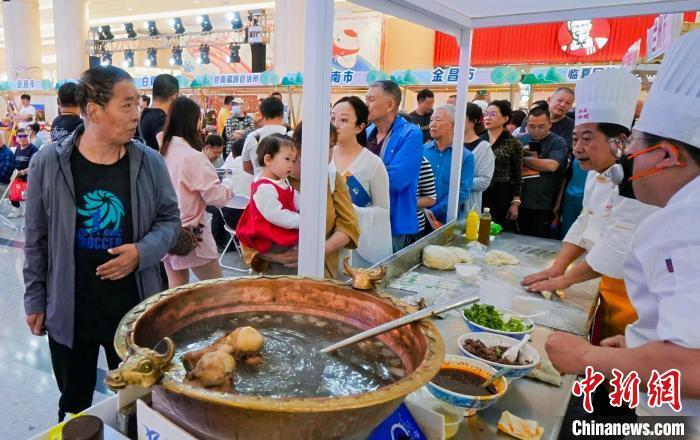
614	312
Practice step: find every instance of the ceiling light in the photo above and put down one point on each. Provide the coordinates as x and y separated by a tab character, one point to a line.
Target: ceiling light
128	58
130	31
235	19
106	59
105	32
205	22
176	59
177	25
151	60
203	54
152	28
235	56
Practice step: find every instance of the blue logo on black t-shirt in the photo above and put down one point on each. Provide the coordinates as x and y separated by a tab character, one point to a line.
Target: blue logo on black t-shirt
101	228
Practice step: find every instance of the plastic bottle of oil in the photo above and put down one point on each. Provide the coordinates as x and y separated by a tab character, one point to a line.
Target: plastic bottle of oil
485	227
472	232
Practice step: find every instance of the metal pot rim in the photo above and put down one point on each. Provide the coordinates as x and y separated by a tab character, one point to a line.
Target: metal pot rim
426	370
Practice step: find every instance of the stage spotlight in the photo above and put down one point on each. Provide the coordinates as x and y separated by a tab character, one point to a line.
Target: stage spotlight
152	28
105	33
203	54
176	59
106	59
151	60
128	58
235	56
205	22
177	25
235	19
130	31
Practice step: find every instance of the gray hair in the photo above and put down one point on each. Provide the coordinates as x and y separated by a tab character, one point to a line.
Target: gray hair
389	88
449	109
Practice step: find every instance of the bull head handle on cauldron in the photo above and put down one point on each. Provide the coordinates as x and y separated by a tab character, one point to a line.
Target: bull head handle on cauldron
142	366
363	279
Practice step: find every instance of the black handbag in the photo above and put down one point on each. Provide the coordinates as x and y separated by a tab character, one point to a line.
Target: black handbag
187	240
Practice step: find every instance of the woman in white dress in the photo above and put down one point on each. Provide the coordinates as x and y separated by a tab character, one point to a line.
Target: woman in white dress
366	177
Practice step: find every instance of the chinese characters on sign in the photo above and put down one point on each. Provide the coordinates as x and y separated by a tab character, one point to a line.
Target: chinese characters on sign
241	79
575	74
26	84
144	82
344	77
666	28
663	389
449	75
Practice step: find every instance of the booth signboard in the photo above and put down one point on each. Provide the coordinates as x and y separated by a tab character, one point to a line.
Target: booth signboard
561	75
26	84
144	82
348	78
632	56
237	80
666	28
440	76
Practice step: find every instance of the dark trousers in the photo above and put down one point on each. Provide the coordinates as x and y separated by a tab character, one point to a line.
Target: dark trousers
535	222
231	217
76	372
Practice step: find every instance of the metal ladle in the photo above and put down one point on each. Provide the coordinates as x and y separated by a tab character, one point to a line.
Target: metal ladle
399	322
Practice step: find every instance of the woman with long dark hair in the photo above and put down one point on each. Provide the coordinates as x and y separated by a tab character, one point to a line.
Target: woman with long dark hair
366	177
484	159
197	186
503	195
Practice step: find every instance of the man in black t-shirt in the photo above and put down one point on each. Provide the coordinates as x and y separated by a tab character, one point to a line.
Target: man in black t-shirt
165	90
69	118
421	115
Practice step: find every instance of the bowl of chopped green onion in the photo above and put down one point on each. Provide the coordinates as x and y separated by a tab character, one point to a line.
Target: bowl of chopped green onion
487	318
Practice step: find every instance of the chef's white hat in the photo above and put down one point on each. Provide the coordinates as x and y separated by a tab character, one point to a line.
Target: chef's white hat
671	110
607	96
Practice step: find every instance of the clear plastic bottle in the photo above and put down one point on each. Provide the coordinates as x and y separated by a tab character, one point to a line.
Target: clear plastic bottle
485	227
472	232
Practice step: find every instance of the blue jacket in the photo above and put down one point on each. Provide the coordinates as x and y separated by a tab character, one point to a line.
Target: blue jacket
403	152
442	163
7	164
49	261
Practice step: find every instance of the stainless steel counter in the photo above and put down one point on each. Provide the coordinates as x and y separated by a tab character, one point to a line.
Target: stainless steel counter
500	286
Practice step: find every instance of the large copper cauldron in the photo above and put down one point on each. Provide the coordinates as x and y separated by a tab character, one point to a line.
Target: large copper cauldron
209	414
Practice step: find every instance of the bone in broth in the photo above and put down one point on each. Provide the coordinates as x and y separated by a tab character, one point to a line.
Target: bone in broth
293	365
463	382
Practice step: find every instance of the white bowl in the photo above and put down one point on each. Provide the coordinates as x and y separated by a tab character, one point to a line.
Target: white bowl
527	353
527	322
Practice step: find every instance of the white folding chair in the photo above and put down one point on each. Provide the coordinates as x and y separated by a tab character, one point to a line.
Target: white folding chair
4	220
232	240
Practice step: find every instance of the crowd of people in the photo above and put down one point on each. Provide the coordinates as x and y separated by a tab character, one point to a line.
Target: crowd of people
151	185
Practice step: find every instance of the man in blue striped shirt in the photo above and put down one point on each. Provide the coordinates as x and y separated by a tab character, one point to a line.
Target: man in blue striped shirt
439	153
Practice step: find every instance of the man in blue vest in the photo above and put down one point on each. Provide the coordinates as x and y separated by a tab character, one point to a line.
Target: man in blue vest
400	145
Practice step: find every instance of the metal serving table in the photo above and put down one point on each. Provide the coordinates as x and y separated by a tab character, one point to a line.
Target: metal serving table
500	286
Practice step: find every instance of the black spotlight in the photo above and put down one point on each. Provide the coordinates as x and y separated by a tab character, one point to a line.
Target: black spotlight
177	25
106	59
205	22
105	33
152	29
151	60
203	54
130	31
235	56
128	58
235	19
176	59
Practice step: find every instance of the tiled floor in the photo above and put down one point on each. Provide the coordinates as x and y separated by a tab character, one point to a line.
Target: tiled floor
28	389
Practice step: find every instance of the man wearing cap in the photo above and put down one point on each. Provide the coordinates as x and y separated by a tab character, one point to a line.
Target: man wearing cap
238	126
661	269
606	101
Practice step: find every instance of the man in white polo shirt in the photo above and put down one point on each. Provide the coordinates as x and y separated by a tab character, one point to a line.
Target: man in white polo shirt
272	111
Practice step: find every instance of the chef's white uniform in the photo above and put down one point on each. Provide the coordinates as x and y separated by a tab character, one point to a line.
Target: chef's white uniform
605	228
662	274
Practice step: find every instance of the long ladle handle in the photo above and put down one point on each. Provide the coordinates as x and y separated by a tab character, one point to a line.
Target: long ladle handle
413	317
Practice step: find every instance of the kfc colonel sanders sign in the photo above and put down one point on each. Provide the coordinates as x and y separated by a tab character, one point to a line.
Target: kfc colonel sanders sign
584	37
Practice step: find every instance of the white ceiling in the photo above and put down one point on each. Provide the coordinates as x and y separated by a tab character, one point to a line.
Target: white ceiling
451	15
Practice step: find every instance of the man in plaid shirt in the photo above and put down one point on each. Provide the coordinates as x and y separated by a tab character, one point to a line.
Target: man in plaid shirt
238	126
